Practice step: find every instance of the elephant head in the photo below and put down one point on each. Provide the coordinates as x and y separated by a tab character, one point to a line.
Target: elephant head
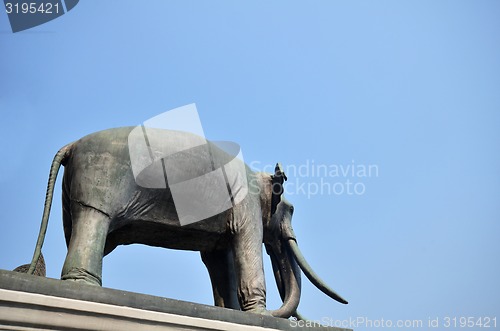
281	245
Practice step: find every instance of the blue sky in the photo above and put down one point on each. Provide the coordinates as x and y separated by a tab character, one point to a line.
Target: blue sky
411	87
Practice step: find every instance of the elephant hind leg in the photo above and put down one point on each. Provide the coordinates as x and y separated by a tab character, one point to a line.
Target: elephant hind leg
86	246
220	266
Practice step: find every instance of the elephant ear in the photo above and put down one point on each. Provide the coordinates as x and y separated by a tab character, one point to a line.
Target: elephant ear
278	179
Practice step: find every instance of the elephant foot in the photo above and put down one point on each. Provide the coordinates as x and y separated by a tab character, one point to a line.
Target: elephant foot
260	311
83	276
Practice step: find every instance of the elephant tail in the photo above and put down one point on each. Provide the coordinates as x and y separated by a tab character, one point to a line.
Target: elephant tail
60	158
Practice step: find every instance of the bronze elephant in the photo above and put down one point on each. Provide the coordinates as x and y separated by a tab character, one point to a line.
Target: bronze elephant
104	206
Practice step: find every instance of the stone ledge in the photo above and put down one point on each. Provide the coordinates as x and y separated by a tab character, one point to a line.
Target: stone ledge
36	303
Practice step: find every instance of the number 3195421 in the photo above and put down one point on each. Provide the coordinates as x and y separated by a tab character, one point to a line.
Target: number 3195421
32	8
470	322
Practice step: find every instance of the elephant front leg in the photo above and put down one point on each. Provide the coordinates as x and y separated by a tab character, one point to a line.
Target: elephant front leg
247	251
85	251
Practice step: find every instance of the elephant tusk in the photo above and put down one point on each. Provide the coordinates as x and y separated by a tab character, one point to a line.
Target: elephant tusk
289	275
279	280
311	275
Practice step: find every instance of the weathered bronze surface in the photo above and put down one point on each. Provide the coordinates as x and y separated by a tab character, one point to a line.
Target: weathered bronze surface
103	207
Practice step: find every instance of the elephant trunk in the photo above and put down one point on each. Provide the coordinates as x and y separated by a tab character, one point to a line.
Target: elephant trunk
311	275
287	275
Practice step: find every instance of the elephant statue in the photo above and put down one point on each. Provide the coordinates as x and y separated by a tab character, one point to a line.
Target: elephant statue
105	205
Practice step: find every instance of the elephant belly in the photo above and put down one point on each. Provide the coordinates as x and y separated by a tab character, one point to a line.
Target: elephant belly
196	237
